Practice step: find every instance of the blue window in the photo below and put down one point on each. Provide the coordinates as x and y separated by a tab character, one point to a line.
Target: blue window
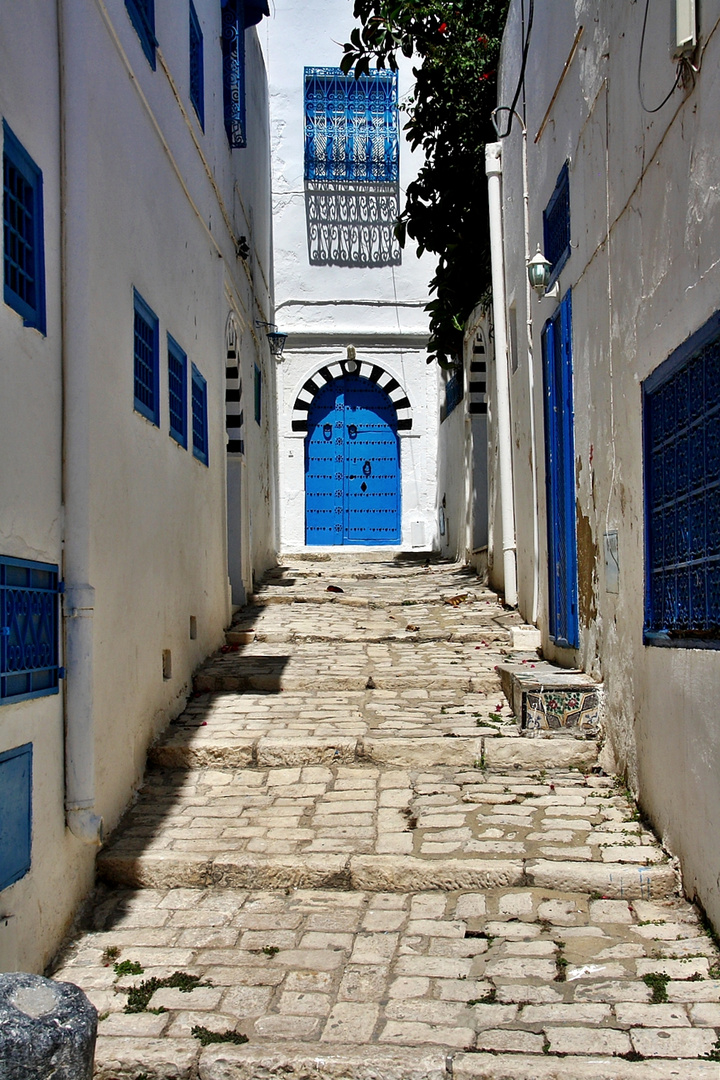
142	16
681	422
453	392
147	389
233	53
197	73
16	817
199	416
351	126
556	224
28	629
258	395
177	391
23	244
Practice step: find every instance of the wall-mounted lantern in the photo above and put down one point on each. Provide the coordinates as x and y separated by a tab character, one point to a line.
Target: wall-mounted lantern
276	338
539	271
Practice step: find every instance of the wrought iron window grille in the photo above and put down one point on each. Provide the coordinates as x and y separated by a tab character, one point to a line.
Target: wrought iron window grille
556	225
351	126
199	416
142	16
681	430
146	361
23	240
177	392
233	68
28	629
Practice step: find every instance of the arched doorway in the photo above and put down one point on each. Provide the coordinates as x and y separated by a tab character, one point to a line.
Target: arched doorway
352	465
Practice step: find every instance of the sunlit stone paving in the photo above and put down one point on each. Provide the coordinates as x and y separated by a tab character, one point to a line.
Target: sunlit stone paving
362	869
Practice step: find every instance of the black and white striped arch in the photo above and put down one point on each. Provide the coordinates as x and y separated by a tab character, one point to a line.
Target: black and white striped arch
366	370
477	383
234	415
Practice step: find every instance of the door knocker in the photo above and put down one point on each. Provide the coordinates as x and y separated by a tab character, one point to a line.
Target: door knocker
367	468
327	431
352	431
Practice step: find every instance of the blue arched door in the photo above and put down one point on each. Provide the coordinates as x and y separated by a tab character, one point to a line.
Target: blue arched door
352	465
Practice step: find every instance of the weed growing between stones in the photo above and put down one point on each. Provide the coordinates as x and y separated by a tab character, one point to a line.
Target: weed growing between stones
111	953
488	999
206	1036
128	967
561	962
658	984
139	996
270	950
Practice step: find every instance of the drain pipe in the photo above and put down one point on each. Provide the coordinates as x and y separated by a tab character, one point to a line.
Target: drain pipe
79	599
493	169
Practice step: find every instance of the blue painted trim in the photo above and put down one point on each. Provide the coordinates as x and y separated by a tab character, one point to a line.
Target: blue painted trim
14	153
142	16
177	391
16	817
146	390
199	416
233	71
560	476
197	66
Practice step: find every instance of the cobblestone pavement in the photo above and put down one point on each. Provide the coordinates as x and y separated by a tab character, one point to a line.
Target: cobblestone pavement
363	868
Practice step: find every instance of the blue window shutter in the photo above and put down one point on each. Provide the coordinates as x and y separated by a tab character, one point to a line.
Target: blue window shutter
142	16
556	224
177	391
197	67
351	126
199	416
23	239
146	361
233	54
16	777
258	395
28	629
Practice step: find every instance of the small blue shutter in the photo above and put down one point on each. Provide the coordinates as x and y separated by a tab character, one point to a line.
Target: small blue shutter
16	816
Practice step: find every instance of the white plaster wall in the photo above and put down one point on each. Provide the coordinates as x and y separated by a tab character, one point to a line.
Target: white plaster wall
165	203
31	492
326	308
645	221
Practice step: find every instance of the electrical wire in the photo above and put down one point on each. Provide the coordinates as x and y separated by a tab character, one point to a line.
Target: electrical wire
678	75
521	76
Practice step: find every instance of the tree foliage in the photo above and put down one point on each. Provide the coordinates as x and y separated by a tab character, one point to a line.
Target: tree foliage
456	44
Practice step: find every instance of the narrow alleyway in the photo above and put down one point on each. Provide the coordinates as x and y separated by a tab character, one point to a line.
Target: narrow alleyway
359	865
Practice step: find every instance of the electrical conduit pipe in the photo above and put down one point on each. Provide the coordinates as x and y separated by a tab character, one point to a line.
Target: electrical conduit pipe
493	169
79	600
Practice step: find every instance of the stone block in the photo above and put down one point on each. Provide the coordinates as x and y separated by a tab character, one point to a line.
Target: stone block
47	1029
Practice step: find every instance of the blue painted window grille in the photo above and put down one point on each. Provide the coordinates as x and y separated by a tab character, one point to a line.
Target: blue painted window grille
233	54
177	391
681	420
199	416
351	126
258	395
453	393
556	224
16	818
142	16
146	358
23	245
28	629
197	68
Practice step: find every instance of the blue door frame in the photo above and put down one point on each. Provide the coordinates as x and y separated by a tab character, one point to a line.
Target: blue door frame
560	475
352	466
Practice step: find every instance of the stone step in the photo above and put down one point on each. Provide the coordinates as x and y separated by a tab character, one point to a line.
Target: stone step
547	698
500	983
378	873
192	748
385	829
325	1061
237	673
239	635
